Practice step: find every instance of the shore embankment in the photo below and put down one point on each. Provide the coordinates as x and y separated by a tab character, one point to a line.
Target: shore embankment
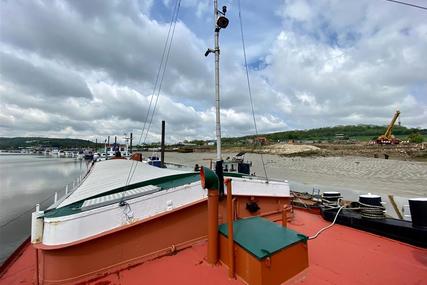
416	152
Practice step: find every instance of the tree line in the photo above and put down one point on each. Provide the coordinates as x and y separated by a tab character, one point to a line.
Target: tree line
22	142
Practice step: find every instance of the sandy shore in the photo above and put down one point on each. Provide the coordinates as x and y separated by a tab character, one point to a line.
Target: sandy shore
347	173
402	178
416	152
286	149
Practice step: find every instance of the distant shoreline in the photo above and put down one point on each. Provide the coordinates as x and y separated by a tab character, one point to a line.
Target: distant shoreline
408	151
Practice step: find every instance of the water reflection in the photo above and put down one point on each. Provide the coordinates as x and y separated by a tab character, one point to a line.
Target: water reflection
26	181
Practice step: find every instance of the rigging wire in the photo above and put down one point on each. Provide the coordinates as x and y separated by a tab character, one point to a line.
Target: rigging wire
158	84
164	70
248	82
407	4
154	91
161	66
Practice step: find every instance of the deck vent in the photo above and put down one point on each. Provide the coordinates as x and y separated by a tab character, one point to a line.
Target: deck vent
116	197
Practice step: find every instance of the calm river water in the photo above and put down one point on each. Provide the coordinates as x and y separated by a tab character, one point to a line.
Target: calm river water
27	180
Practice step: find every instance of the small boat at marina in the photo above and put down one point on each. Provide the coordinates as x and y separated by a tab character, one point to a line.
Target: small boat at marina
80	155
154	160
96	156
110	150
69	154
88	154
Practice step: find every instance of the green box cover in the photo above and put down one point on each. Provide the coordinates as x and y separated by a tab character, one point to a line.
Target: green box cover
261	237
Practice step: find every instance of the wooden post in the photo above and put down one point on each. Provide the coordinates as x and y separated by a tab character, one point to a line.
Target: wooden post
285	216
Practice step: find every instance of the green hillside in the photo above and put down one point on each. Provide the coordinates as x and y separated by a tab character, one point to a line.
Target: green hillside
354	132
22	142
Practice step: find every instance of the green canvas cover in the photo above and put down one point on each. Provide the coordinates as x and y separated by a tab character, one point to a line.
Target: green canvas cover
261	237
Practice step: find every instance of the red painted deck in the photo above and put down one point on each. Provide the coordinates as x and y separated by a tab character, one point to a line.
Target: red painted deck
340	255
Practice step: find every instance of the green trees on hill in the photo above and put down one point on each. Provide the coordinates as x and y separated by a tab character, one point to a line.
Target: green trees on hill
356	132
415	138
22	142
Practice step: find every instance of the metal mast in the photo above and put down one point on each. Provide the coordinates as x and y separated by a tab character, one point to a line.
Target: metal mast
221	22
217	98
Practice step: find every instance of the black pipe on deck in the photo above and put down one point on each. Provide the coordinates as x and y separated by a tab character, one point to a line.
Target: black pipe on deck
130	144
108	145
220	173
162	147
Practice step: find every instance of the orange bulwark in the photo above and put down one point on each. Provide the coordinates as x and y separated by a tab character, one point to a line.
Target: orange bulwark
123	248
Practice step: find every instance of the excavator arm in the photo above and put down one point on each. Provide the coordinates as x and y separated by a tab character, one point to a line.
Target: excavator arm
387	137
391	125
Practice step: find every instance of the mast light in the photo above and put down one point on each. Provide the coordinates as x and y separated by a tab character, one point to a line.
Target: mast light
222	22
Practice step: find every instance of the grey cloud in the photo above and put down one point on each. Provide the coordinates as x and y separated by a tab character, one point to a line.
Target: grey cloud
33	120
127	47
49	81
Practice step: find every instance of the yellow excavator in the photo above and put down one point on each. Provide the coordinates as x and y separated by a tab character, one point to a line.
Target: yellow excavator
388	138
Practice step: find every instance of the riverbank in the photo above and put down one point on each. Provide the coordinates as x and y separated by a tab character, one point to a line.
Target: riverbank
351	173
410	152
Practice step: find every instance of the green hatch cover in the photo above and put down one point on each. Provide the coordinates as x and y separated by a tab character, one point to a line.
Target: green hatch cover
261	237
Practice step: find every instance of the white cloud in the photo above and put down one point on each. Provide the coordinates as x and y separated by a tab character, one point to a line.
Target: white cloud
327	74
71	68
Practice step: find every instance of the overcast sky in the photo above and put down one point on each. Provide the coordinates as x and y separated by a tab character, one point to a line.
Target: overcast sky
86	69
